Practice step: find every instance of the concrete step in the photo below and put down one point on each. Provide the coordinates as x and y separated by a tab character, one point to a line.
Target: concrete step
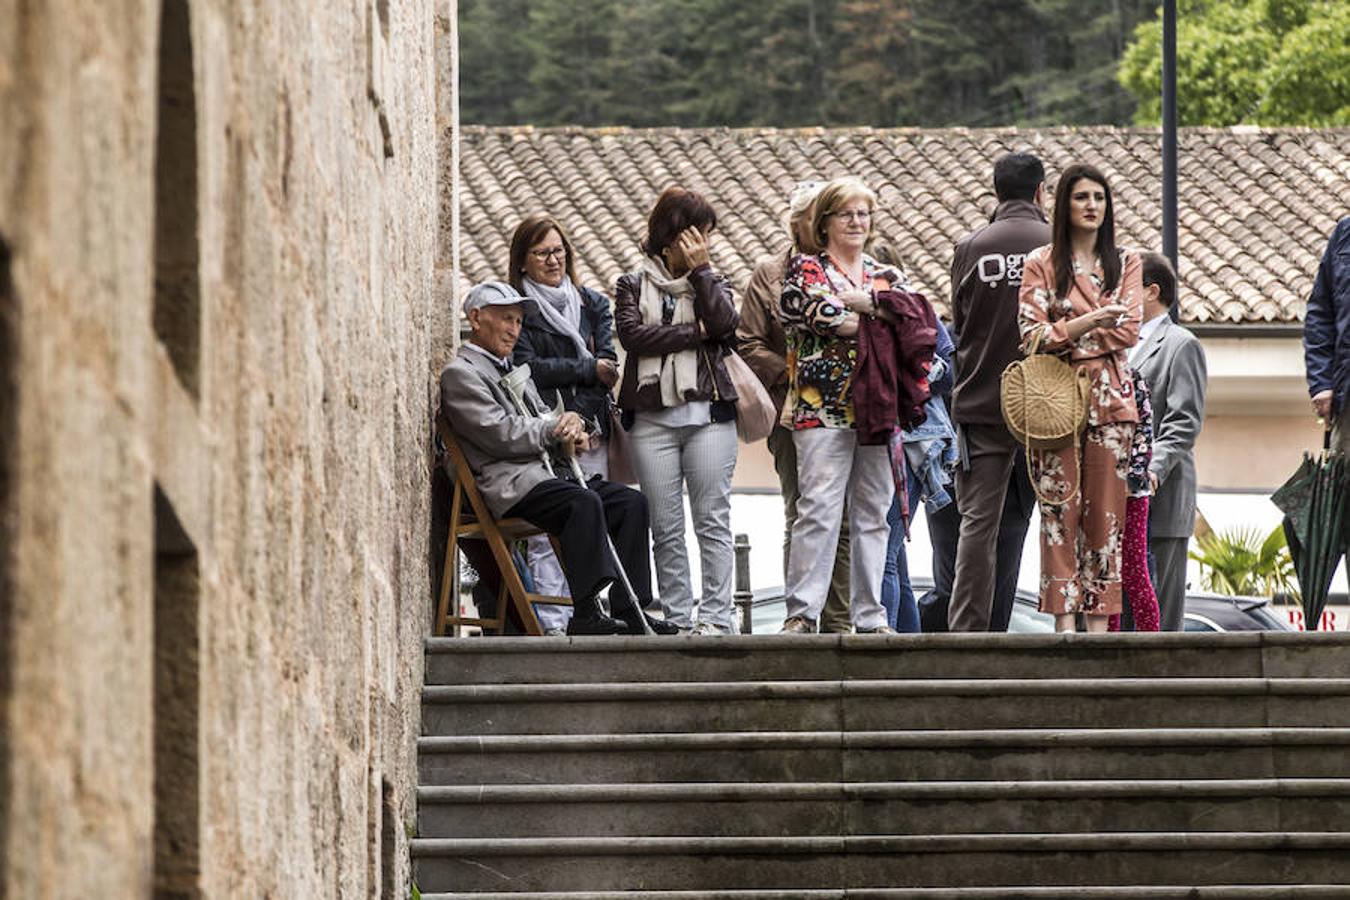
1138	892
902	755
943	807
881	704
832	657
893	861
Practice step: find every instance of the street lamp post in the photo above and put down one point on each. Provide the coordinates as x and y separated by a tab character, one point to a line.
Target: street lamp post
1169	136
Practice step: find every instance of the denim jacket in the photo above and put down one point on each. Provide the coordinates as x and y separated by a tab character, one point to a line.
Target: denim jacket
930	447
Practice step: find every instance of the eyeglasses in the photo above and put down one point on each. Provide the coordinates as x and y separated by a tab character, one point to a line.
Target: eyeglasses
853	215
545	255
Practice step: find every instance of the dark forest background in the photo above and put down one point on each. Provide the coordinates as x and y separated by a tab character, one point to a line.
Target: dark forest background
976	63
796	62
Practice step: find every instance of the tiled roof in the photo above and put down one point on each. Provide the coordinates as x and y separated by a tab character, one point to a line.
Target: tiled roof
1256	207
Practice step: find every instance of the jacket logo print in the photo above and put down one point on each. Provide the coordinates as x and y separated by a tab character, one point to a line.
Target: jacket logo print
995	267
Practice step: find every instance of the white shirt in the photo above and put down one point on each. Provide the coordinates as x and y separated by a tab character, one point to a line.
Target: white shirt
1145	332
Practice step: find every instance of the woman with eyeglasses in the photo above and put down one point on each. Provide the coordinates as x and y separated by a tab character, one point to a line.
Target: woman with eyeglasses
567	339
1082	299
676	321
830	286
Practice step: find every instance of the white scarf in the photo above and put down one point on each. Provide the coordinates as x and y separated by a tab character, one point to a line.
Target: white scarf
561	308
677	372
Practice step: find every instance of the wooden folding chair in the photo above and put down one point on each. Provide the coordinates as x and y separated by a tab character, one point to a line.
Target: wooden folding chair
477	523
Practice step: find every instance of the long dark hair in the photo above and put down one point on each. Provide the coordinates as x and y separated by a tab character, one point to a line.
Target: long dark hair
1061	247
528	233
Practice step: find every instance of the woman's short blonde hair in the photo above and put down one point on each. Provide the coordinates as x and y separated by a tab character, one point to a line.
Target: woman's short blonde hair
833	197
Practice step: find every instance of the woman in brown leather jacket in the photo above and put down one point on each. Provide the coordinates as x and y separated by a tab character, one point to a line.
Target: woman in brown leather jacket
675	319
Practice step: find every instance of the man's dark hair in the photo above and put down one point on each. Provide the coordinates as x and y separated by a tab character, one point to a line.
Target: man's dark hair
1158	270
1016	176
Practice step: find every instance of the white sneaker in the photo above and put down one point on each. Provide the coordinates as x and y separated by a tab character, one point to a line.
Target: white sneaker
708	628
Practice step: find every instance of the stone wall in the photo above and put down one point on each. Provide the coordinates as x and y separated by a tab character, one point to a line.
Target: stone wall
217	340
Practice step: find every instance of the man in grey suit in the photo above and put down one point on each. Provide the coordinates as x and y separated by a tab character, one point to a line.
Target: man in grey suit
507	451
1172	363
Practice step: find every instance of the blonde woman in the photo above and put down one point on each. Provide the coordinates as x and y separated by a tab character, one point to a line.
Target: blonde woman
827	291
763	346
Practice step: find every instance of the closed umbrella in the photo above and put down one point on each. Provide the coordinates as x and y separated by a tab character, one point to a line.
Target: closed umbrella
1314	501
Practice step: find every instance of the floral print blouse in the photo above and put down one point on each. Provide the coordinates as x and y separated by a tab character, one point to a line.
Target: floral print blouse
1100	351
1141	448
819	362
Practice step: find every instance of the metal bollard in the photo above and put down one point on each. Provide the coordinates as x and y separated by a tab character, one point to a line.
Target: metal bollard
743	596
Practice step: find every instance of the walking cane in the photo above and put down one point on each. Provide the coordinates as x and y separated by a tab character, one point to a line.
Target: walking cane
514	382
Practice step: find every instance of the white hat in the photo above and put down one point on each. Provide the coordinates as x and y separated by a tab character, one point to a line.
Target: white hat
803	195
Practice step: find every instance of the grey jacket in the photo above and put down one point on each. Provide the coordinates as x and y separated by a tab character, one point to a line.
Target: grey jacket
1172	363
503	449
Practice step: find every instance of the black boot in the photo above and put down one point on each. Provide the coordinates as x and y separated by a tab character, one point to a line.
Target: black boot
658	626
627	611
588	619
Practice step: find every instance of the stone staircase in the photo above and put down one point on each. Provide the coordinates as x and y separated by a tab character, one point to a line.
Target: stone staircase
935	766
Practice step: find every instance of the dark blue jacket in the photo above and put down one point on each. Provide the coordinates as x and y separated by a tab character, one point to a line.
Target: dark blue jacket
1326	330
556	369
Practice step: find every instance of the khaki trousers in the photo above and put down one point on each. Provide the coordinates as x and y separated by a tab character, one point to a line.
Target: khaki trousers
835	617
981	484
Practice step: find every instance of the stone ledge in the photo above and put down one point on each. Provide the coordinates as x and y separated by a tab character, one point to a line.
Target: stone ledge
799	740
1142	892
791	845
703	792
743	643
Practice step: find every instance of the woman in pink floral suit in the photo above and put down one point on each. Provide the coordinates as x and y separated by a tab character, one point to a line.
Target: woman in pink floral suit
1082	299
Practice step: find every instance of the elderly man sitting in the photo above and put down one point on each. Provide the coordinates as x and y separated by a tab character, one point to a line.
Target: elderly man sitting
506	451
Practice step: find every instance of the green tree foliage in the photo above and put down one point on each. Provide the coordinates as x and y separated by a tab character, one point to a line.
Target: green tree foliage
492	54
1266	62
795	62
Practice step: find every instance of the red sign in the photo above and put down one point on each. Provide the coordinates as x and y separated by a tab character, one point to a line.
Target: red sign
1333	619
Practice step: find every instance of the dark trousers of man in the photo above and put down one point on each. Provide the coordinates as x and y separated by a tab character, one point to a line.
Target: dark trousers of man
944	533
580	518
995	515
1169	555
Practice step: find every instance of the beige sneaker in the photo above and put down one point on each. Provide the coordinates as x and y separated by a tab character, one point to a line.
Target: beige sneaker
798	625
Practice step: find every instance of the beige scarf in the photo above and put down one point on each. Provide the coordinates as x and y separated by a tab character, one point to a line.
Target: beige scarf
677	372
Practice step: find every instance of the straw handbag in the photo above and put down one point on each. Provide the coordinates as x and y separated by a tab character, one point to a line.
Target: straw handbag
1045	403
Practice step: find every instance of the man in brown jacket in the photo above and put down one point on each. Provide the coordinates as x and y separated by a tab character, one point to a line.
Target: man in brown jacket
986	277
763	346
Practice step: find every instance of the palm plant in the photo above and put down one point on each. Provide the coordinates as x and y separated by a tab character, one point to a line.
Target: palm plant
1241	562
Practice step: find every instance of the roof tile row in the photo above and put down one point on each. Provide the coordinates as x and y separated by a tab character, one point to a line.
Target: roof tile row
1255	207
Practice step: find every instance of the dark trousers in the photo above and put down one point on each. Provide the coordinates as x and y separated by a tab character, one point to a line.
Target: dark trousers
580	518
995	500
1170	582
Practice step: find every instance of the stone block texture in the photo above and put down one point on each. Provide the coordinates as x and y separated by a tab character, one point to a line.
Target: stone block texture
218	240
